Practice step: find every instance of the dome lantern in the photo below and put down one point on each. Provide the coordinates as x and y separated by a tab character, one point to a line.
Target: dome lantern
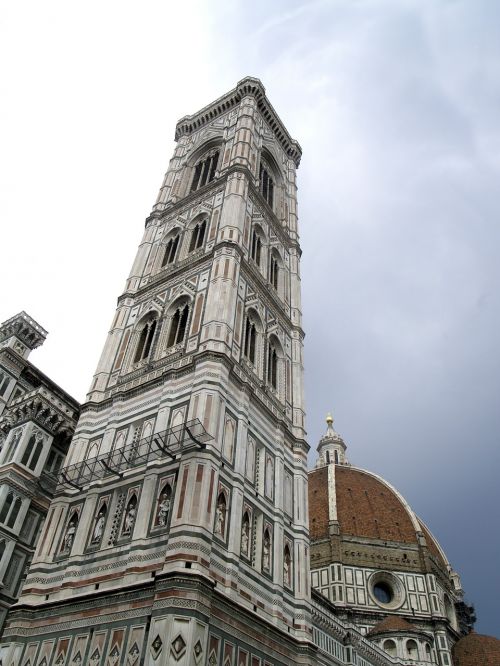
331	447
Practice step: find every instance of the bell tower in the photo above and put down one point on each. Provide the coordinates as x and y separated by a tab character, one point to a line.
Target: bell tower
179	529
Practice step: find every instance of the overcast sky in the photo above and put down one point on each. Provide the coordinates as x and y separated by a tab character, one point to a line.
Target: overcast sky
397	107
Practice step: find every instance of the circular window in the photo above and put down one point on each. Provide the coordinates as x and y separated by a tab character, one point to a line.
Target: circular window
383	592
386	590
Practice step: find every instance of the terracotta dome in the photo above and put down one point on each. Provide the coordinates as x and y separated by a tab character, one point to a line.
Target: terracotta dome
477	650
392	624
367	507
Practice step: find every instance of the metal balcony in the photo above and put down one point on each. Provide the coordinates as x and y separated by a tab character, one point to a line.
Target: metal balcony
159	445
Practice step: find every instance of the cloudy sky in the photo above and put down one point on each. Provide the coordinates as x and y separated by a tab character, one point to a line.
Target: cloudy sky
396	104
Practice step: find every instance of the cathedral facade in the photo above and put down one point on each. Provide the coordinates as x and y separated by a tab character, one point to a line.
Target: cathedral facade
179	529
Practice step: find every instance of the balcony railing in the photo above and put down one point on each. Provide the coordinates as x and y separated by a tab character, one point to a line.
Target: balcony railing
159	445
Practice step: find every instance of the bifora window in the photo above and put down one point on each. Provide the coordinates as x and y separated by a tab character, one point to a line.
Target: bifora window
204	171
266	184
10	509
256	247
145	341
273	271
249	340
178	325
198	236
272	366
170	251
32	451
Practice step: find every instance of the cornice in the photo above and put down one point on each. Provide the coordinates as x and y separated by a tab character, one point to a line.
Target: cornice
248	86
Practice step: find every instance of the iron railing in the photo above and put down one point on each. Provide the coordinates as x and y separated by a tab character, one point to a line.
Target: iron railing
166	444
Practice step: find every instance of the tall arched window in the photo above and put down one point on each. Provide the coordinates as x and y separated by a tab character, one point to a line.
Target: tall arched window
274	270
198	236
272	365
32	452
249	340
178	325
256	247
6	507
14	513
204	171
170	251
266	184
145	341
4	382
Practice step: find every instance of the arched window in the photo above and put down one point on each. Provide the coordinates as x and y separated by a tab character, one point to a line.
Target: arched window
170	250
14	513
32	451
178	325
6	507
274	270
336	457
145	341
198	236
327	454
249	340
390	647
428	652
15	437
412	649
256	247
272	366
266	184
4	382
204	171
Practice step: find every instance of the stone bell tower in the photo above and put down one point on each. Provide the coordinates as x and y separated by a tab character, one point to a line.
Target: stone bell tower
179	529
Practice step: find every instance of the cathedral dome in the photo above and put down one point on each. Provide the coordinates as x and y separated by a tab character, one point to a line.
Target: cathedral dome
475	649
370	508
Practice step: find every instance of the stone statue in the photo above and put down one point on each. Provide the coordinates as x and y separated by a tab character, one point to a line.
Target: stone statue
220	518
245	537
266	561
99	526
69	537
163	510
286	570
129	520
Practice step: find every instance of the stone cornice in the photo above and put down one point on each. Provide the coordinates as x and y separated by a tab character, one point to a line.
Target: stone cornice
45	408
247	86
25	328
